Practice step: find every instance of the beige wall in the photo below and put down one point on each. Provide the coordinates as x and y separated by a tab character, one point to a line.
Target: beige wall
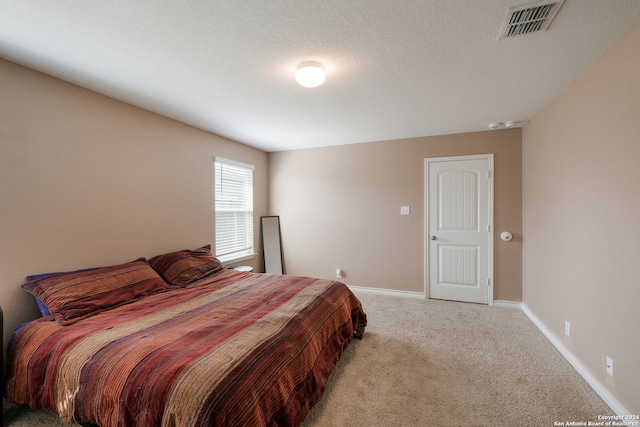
581	204
87	181
339	207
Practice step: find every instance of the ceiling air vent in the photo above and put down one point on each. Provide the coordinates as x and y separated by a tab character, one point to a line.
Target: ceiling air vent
529	18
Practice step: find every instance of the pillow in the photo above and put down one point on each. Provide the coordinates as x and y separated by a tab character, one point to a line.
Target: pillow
182	268
44	310
74	296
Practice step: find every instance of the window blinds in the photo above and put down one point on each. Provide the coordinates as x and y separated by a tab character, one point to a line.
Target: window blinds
234	209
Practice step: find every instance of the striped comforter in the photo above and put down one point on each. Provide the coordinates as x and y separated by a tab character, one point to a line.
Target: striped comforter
238	349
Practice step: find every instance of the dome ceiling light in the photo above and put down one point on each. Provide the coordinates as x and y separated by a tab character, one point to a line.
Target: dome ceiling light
310	74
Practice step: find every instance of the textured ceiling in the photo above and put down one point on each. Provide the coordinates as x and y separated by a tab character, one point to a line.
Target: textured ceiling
396	69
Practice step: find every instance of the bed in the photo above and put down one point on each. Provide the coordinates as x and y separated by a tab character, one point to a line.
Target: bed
180	340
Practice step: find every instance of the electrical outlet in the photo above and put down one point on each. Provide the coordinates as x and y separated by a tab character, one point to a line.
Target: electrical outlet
610	366
567	328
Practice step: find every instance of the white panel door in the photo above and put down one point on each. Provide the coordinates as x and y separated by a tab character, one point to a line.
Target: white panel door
459	221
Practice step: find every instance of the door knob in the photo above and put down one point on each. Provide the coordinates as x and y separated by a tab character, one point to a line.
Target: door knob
433	237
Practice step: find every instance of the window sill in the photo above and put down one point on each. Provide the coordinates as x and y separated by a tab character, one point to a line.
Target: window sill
233	260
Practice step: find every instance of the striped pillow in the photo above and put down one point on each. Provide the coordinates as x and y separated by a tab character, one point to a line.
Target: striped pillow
183	268
44	310
77	295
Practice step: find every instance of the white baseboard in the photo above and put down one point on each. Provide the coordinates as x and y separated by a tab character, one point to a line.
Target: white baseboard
507	304
596	385
406	294
421	295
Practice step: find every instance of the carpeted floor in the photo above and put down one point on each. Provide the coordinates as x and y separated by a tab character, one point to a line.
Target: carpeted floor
439	363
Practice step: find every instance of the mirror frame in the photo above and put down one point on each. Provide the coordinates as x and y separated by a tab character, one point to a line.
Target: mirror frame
271	244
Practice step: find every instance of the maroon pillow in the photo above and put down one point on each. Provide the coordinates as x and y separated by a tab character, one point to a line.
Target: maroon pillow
77	295
182	268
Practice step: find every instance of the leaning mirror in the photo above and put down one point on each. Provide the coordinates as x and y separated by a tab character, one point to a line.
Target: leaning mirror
271	244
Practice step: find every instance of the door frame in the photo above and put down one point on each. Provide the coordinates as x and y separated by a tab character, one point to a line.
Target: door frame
490	248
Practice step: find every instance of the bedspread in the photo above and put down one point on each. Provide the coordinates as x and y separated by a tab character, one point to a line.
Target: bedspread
236	349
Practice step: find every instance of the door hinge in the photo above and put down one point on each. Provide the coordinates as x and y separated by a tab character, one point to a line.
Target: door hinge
488	282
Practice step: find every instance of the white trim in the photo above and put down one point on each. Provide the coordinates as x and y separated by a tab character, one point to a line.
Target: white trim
507	304
491	247
389	292
490	242
235	259
234	163
596	385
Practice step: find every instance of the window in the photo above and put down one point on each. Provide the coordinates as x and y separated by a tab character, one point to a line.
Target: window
234	210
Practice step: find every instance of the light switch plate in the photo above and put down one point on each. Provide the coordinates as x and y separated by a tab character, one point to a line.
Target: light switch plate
405	210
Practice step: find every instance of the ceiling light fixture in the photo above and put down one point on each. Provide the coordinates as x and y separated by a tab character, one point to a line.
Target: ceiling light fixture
310	74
